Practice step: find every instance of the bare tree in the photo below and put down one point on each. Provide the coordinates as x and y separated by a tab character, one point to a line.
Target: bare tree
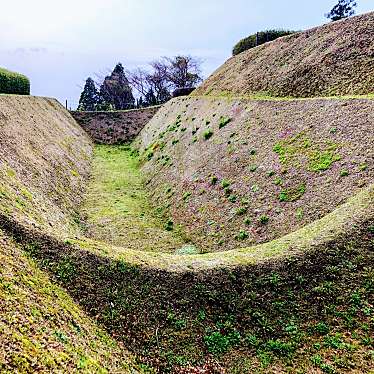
139	80
159	80
184	71
165	74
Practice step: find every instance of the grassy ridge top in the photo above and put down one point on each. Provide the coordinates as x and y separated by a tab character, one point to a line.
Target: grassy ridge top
334	59
13	83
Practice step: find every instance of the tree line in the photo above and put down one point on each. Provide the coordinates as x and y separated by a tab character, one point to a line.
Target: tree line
154	85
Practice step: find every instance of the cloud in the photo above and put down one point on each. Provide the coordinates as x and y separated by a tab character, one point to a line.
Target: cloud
27	51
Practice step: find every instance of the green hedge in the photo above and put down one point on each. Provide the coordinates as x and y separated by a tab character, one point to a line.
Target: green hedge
258	39
13	83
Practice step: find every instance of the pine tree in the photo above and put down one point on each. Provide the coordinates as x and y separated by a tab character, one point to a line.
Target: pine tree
150	98
163	96
343	9
140	102
116	90
89	97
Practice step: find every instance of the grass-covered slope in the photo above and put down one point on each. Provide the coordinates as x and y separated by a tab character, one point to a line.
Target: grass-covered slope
306	312
334	59
13	83
116	209
43	330
44	161
240	172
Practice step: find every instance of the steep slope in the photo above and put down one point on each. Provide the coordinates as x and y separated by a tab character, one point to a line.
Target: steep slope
239	172
335	59
44	162
42	330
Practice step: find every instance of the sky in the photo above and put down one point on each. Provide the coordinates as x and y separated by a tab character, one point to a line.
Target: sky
58	44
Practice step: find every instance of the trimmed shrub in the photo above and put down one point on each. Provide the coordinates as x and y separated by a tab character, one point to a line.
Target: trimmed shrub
13	83
258	39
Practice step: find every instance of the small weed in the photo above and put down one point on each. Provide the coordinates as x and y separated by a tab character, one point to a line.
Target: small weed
201	315
253	341
208	134
278	181
169	225
186	195
218	343
316	360
344	173
252	152
213	180
223	121
270	173
363	167
225	183
232	198
264	219
241	211
150	156
247	221
321	161
253	168
334	341
322	328
255	188
180	324
299	213
293	193
280	348
243	235
227	191
61	337
65	270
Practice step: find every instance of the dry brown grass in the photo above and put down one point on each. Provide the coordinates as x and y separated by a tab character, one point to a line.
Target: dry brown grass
334	59
289	161
44	162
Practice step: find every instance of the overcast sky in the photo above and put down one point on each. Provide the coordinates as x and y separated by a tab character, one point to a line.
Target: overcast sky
58	44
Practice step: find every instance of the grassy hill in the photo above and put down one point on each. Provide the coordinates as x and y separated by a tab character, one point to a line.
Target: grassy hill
45	156
335	59
239	172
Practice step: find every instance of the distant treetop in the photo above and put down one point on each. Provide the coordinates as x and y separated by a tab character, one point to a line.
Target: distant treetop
259	38
343	9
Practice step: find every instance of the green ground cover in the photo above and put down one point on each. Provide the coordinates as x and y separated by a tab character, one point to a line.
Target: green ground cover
116	209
